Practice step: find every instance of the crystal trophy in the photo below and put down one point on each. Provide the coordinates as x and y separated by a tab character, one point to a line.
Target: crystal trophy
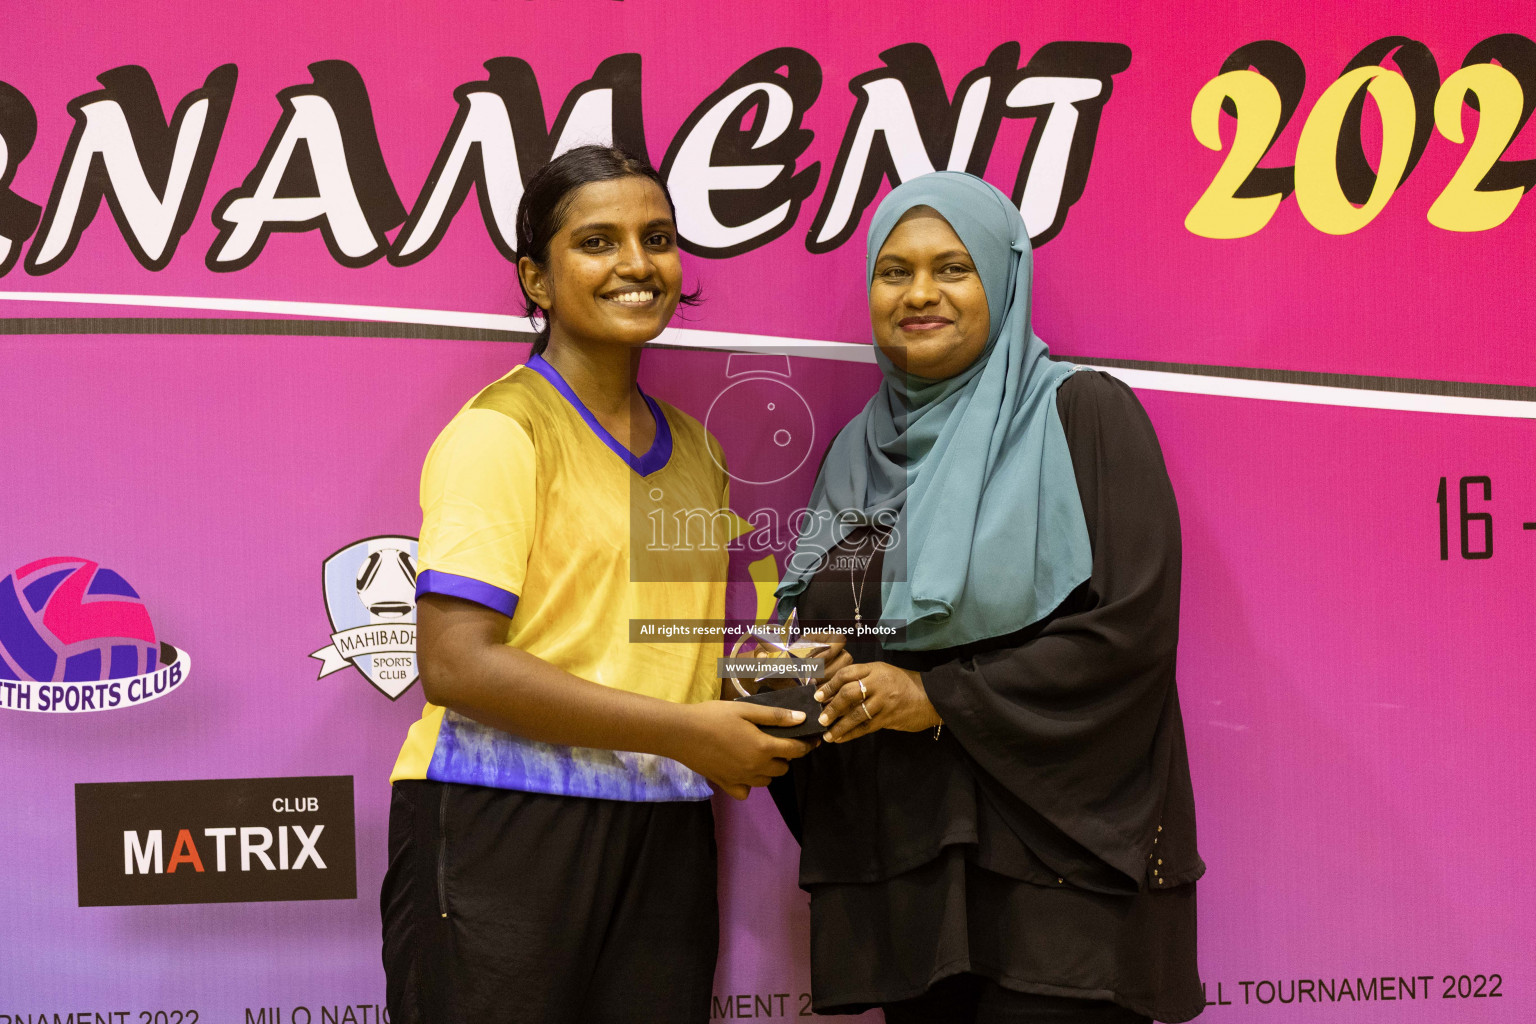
778	681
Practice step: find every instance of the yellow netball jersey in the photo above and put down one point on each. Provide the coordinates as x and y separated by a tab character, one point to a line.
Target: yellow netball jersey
530	507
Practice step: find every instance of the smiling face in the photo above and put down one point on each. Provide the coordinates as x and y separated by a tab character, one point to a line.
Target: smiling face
926	302
613	276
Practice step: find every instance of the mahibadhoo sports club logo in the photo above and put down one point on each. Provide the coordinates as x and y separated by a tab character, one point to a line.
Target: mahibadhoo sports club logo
75	636
370	595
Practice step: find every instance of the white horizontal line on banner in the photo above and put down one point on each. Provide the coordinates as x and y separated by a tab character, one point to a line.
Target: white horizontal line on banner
335	310
1318	394
678	337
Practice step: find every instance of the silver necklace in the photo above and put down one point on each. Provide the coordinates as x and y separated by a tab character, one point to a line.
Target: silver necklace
858	594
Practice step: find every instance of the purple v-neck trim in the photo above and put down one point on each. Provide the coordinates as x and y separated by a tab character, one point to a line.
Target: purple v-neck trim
661	446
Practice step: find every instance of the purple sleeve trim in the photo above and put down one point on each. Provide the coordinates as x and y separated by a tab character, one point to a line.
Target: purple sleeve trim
435	581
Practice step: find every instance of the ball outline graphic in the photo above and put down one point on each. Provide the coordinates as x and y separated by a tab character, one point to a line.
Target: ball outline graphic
386	583
69	619
736	397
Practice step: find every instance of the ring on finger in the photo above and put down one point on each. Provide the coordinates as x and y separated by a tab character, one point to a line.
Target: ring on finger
863	693
867	716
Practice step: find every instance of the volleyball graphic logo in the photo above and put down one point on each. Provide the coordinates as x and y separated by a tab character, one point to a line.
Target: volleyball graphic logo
72	621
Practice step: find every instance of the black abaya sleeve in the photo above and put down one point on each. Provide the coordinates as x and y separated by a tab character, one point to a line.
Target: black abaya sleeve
1079	724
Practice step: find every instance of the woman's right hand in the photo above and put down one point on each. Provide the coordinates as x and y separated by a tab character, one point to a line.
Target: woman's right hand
720	740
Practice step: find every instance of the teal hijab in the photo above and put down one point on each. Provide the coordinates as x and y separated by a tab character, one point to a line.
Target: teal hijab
971	474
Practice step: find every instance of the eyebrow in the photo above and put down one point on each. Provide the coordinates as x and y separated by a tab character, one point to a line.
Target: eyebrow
948	254
605	226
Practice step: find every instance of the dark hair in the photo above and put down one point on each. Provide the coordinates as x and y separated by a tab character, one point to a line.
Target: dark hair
548	197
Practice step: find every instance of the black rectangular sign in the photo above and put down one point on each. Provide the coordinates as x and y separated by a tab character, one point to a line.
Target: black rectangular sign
215	841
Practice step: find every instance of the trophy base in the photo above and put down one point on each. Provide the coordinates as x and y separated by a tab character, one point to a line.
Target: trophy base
796	698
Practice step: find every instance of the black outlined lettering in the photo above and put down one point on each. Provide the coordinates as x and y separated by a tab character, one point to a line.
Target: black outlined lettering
322	168
1422	74
904	125
152	174
1064	88
498	140
485	150
18	216
604	110
1283	66
731	167
1517	55
738	163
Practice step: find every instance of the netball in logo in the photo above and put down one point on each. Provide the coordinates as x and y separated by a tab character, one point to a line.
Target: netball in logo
370	595
75	636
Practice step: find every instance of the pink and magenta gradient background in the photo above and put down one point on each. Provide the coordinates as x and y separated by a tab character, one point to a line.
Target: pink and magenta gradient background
1358	711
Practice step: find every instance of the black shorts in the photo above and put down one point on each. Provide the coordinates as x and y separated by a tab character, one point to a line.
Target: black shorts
501	906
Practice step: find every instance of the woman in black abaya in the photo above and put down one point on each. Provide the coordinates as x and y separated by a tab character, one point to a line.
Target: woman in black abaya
1001	825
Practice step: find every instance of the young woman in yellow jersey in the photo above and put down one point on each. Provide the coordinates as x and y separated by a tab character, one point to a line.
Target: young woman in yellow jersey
551	844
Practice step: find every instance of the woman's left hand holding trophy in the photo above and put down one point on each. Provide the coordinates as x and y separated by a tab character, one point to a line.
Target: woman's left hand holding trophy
781	685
